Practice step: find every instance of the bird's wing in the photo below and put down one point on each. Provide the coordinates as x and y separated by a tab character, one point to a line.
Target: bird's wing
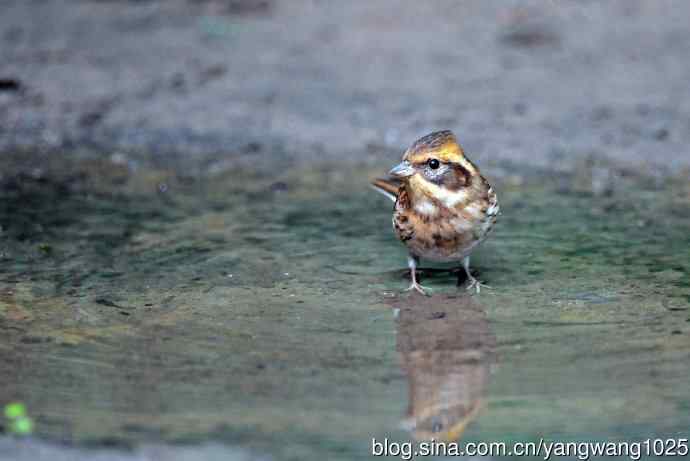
388	187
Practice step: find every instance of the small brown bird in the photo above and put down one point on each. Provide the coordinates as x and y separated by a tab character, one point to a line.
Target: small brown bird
444	207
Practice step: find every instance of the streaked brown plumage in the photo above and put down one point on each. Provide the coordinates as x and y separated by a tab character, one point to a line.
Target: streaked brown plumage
444	207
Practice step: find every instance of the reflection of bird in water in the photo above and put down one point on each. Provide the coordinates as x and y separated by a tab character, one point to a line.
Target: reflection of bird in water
446	349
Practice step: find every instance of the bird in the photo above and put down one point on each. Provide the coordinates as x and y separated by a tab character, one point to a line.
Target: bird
444	207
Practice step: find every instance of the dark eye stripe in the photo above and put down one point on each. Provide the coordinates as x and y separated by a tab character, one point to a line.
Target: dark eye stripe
459	178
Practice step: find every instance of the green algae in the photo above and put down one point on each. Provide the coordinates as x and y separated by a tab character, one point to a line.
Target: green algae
253	307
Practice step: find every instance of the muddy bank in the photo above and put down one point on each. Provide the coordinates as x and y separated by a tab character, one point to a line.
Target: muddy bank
532	82
141	302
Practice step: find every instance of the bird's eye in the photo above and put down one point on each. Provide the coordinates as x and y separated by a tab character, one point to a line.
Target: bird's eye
433	163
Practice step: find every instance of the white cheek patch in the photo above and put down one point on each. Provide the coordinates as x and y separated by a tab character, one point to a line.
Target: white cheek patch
451	198
425	208
454	198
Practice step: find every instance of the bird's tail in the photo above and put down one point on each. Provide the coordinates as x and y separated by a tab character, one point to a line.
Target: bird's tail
387	187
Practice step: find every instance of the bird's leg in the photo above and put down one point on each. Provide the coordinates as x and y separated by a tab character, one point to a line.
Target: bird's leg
474	283
412	262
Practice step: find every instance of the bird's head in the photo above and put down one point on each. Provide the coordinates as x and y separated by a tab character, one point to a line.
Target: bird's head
436	159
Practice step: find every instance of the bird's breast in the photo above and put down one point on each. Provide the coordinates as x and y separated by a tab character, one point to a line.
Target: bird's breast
434	231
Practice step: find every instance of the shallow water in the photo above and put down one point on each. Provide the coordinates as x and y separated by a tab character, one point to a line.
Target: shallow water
146	301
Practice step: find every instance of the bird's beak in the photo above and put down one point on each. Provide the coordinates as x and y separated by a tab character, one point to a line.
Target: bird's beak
403	170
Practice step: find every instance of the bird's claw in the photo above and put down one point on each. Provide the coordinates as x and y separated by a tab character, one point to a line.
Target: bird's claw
419	288
476	285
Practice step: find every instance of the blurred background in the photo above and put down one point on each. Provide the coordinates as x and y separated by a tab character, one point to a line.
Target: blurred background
192	266
527	81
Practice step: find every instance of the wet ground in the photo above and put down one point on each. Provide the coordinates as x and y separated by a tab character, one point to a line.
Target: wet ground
192	302
192	266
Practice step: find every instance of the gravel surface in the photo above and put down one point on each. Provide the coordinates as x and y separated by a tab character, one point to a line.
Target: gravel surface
525	81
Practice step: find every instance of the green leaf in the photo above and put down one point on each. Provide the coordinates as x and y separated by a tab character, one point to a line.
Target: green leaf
15	410
22	426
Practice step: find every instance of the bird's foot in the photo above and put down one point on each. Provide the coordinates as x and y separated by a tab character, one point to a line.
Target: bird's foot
419	288
476	285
